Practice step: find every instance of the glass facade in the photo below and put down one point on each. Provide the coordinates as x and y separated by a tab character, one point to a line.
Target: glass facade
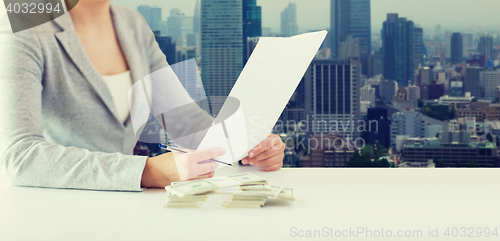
361	24
340	17
252	23
221	46
289	21
398	43
334	95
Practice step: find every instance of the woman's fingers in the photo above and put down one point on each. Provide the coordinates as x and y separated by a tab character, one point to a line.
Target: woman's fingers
268	143
206	167
200	156
192	165
273	146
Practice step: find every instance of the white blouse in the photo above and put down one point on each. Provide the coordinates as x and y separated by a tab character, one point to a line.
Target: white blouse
119	86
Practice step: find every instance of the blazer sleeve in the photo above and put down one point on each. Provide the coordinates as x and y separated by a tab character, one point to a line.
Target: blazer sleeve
27	158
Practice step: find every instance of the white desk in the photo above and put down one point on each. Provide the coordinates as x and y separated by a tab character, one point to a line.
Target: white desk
392	199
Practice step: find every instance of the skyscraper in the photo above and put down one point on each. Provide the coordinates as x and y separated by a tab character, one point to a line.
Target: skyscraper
221	48
437	33
447	43
419	47
398	44
471	81
252	24
197	18
155	18
167	46
457	48
485	46
152	16
340	24
174	23
289	21
332	91
361	24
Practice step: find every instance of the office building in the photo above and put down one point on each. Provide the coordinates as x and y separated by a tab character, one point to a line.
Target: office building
379	127
491	113
456	88
252	24
442	58
295	115
425	76
437	33
368	94
407	123
414	125
457	48
485	47
221	48
406	98
340	24
490	80
332	96
185	53
388	90
398	44
366	65
454	150
349	48
197	18
378	63
419	47
329	151
251	44
471	81
361	27
175	23
447	100
447	44
152	16
413	93
191	40
468	41
435	91
289	25
167	46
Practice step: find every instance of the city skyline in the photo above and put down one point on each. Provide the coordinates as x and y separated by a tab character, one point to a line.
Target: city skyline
425	13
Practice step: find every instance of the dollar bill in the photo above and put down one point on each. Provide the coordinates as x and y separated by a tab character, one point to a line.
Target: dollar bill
244	190
201	186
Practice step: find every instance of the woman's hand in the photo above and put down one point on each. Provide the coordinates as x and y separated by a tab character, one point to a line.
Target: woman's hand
268	155
162	170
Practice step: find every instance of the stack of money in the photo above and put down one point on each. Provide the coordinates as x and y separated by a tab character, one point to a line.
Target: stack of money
236	191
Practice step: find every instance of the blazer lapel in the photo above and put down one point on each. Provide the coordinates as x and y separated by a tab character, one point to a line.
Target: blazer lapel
72	45
126	36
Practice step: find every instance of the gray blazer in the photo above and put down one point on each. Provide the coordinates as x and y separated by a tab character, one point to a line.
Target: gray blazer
58	122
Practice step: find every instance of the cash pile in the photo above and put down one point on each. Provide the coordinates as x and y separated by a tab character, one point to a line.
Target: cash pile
244	190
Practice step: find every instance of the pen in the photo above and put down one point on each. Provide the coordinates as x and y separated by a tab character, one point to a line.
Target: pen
169	148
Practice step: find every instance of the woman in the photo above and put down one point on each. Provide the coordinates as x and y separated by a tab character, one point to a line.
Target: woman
64	120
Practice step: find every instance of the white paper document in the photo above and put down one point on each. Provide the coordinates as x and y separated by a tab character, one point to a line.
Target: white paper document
260	94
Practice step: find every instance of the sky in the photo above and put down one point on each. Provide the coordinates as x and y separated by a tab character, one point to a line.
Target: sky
314	14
